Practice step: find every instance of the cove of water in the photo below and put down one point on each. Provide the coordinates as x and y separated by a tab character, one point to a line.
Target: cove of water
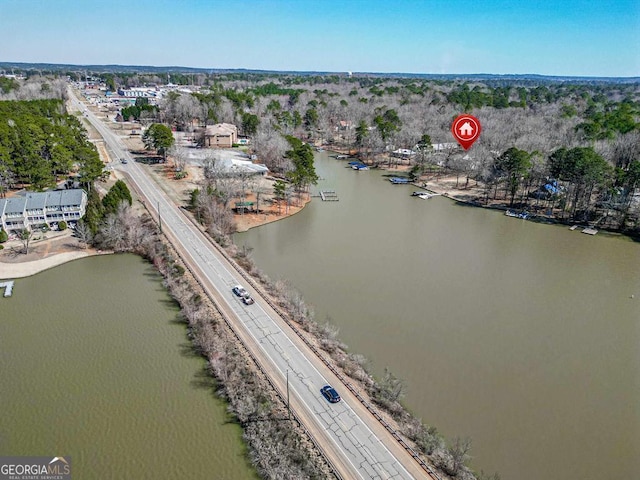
96	366
524	337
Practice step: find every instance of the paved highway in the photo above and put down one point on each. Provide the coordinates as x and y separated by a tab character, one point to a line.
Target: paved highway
344	430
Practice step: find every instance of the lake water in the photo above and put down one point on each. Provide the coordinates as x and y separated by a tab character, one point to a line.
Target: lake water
95	366
524	337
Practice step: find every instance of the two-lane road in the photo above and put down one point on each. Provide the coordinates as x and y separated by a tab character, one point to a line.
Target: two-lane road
356	443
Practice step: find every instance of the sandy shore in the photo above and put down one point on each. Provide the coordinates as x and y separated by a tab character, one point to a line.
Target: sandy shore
26	269
55	249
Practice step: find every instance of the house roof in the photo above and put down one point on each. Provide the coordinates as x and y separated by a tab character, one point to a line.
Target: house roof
444	146
15	205
54	198
221	129
234	165
72	197
404	151
36	201
40	200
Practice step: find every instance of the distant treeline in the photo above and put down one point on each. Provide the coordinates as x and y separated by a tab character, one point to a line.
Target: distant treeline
528	122
69	69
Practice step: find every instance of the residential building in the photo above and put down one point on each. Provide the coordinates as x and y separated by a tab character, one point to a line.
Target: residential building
403	153
40	209
221	135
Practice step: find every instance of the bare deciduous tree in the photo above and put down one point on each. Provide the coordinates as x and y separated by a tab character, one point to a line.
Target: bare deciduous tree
459	451
180	157
84	234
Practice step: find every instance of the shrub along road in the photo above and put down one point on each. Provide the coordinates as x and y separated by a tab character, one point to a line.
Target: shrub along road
355	442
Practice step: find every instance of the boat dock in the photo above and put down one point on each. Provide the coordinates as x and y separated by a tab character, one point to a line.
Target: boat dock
399	180
425	195
8	287
329	196
587	230
358	166
522	215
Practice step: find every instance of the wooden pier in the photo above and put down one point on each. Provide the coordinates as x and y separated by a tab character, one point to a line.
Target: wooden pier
329	196
8	287
588	230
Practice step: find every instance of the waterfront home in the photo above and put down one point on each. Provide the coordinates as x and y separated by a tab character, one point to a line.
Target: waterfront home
403	153
42	209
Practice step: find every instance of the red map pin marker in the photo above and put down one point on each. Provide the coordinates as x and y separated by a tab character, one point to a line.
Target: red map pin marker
466	130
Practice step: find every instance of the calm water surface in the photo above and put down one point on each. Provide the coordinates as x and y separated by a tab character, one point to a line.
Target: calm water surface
523	337
95	366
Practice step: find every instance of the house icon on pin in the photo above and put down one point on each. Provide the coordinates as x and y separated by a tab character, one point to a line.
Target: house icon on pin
466	130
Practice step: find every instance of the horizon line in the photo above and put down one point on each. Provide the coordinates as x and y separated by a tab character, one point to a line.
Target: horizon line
324	72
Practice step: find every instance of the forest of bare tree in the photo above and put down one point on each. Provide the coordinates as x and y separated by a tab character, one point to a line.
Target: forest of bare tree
567	149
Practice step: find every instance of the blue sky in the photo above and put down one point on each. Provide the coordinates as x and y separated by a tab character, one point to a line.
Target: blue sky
561	37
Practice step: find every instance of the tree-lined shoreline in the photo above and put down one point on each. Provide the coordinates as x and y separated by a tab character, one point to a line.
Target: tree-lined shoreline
570	152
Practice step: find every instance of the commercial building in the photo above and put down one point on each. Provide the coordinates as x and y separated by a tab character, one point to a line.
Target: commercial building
221	135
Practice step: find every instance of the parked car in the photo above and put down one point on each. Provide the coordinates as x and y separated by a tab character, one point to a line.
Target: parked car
239	291
330	394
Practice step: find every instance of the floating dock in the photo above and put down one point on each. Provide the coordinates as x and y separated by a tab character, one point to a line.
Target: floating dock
512	214
425	195
399	180
329	196
8	287
587	230
358	166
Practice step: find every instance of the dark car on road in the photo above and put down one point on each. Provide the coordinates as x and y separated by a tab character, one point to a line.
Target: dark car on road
330	394
247	300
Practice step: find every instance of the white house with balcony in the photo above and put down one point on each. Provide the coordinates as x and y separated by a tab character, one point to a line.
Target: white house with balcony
42	209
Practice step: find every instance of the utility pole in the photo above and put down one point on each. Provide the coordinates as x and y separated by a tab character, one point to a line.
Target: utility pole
159	217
